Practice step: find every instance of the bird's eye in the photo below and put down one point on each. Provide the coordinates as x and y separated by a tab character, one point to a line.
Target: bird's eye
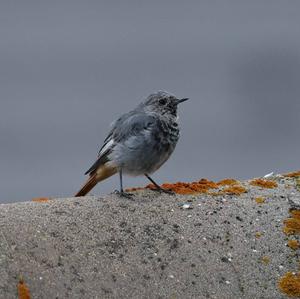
162	101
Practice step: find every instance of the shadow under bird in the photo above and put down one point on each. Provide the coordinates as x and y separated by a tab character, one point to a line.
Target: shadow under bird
139	142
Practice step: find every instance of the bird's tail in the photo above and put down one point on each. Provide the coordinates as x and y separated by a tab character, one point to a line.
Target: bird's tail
88	186
102	173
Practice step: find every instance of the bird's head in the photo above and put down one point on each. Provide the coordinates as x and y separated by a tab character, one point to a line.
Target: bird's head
162	103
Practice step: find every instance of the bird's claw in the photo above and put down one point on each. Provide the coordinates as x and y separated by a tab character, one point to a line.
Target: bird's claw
124	194
162	190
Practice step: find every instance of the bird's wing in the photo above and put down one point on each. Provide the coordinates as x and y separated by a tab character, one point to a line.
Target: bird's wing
129	124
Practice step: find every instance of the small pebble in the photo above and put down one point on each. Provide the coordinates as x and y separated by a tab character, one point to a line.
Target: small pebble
269	174
185	205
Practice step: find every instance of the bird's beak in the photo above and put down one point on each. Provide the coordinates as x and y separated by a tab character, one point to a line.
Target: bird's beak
182	100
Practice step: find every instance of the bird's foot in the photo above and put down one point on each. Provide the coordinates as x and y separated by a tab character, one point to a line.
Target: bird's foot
124	194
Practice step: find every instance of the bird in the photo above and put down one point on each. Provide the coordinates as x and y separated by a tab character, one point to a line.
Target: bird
139	142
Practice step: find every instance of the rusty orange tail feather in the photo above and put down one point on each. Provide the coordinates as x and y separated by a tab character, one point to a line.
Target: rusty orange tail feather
88	186
103	172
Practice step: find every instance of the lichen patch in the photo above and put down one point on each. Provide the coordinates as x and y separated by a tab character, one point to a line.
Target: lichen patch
292	224
263	183
201	186
227	182
292	174
260	200
265	260
235	190
41	199
258	235
290	284
23	290
293	244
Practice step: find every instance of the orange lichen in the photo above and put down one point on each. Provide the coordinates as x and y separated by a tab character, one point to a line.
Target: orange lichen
293	244
201	186
292	224
260	200
23	290
290	284
41	199
258	235
235	190
263	183
204	186
265	260
226	182
216	193
292	174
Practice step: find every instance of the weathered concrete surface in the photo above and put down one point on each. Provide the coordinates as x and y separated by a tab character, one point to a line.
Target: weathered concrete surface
148	247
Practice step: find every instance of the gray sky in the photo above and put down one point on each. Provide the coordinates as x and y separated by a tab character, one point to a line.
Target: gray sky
69	68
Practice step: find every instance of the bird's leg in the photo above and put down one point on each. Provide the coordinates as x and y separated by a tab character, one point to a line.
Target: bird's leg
122	193
158	188
121	181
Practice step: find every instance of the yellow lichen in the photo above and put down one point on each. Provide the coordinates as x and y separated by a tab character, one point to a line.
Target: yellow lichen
265	260
292	174
201	186
260	200
258	235
263	183
235	190
298	184
41	199
292	224
293	244
204	186
290	284
23	290
232	190
226	182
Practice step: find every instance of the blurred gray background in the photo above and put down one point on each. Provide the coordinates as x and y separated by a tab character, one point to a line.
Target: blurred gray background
69	68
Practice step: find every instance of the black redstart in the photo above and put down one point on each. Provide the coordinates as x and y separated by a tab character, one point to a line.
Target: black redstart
139	142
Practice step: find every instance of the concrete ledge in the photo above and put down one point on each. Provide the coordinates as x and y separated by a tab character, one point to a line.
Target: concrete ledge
150	247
